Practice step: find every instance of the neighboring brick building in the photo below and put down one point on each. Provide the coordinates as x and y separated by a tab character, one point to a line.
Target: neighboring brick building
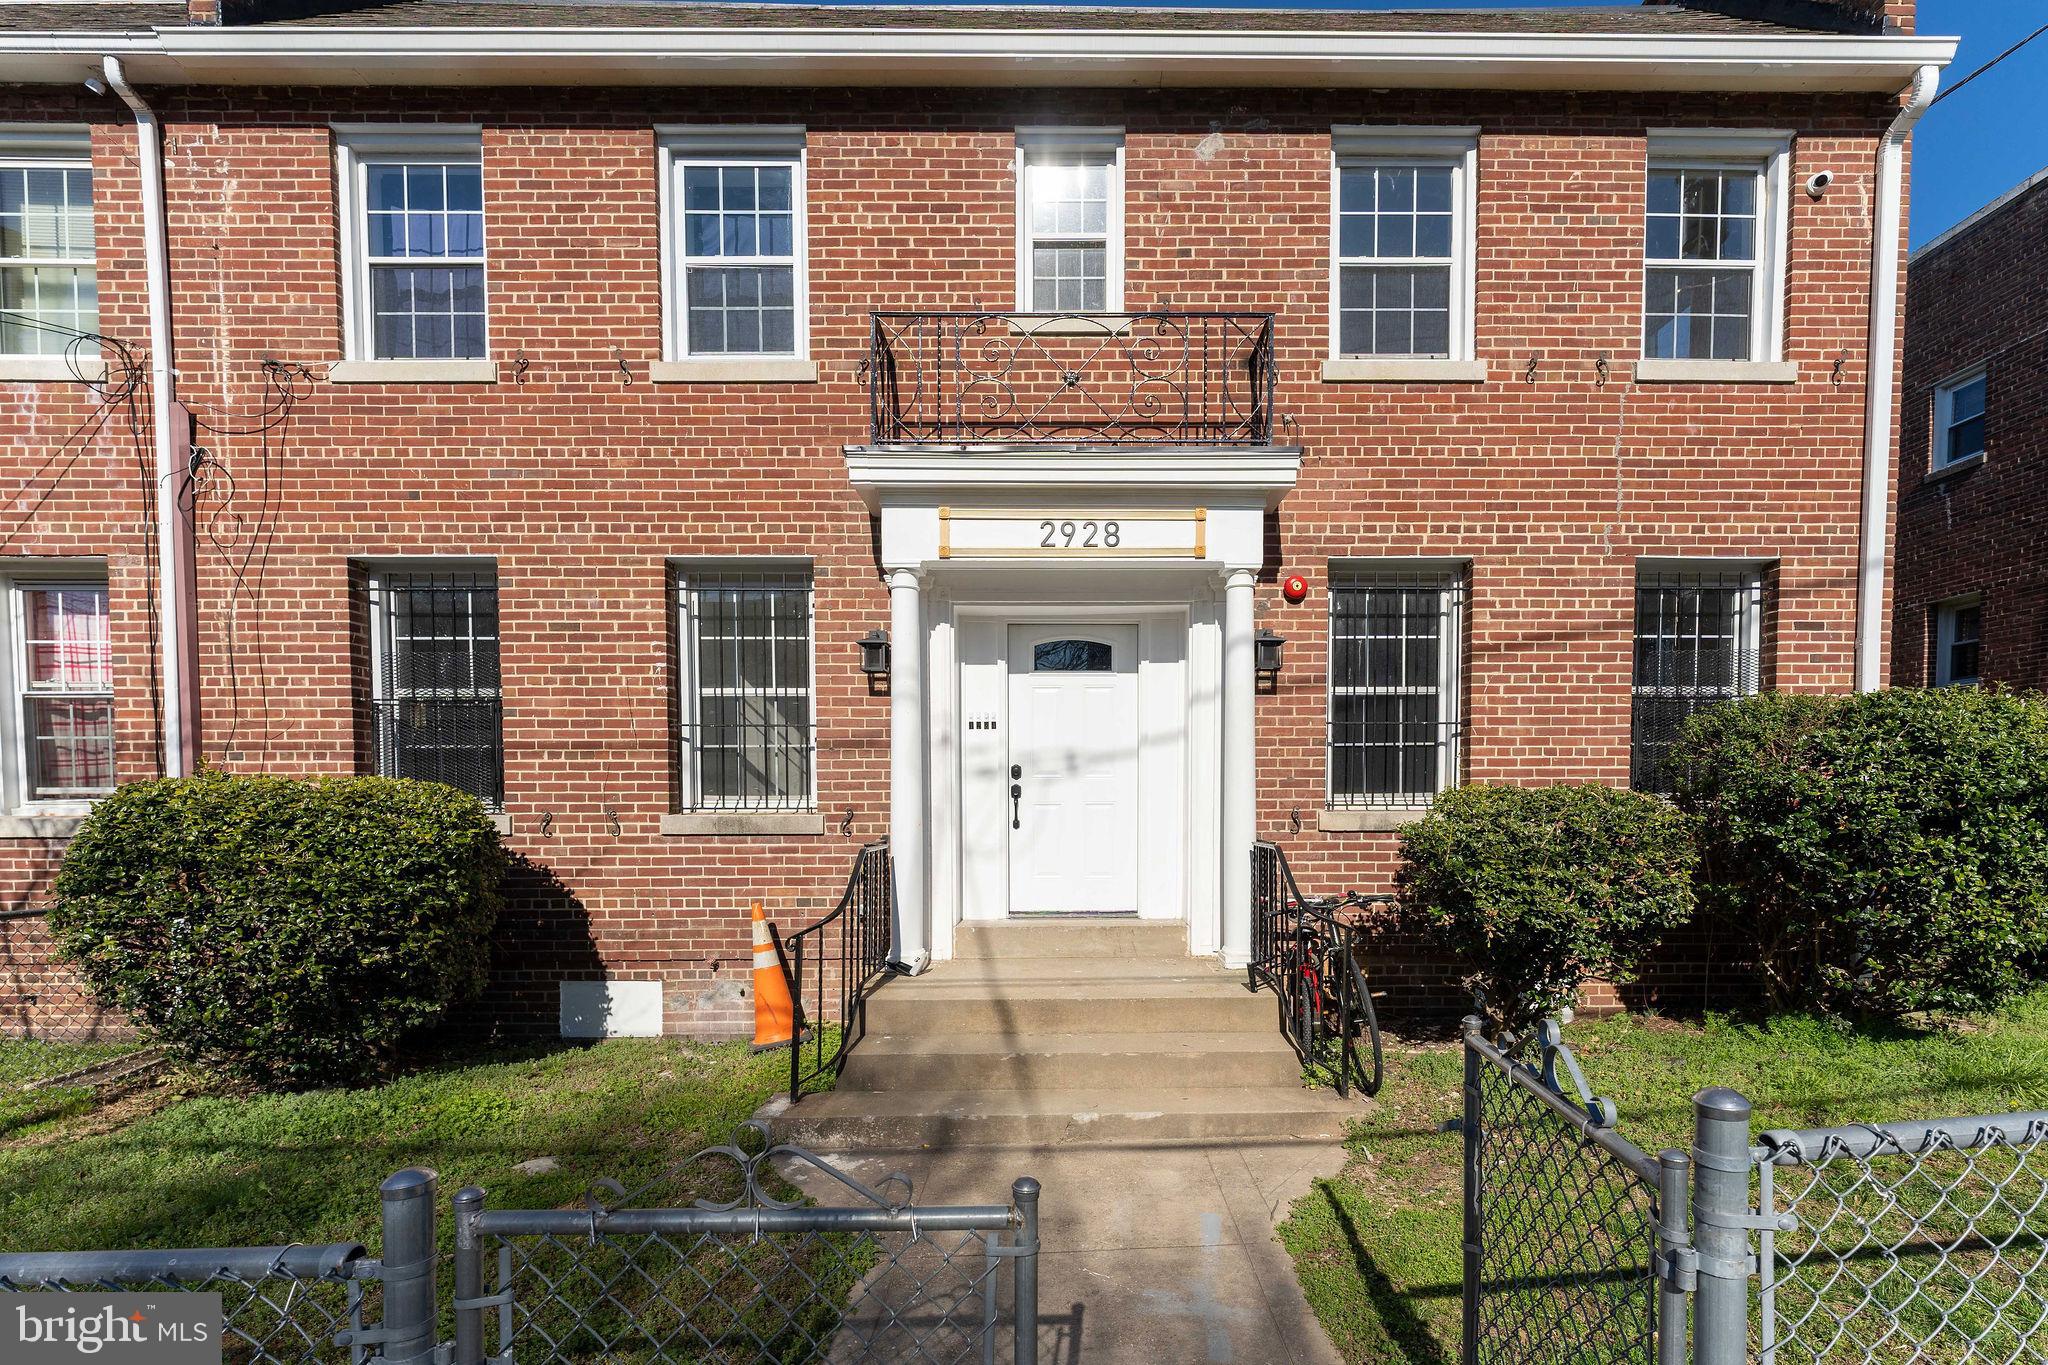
1972	595
546	442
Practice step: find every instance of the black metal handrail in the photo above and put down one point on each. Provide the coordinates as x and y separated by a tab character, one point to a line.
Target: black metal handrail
1162	377
1293	934
849	949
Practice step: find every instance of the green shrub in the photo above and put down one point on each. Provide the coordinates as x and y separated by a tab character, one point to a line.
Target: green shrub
1881	854
1540	889
287	931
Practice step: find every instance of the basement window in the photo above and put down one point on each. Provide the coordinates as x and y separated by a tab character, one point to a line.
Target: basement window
413	242
434	680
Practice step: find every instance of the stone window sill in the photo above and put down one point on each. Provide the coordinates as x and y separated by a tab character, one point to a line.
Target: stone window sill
35	824
1074	325
413	372
732	822
1368	819
1957	467
53	369
733	371
502	822
1394	371
1717	371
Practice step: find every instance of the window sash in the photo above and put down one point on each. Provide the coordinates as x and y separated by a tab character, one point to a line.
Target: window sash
33	699
735	730
1408	759
1356	332
1695	615
1762	219
1951	640
1084	150
1950	424
430	147
686	263
84	263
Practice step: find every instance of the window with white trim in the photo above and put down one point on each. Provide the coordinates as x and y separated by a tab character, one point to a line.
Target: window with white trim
63	673
413	243
1698	638
49	272
1958	642
1401	249
744	708
1959	418
736	251
1070	221
434	678
1713	245
1395	714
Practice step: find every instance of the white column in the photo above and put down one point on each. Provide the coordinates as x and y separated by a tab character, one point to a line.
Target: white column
911	942
1240	794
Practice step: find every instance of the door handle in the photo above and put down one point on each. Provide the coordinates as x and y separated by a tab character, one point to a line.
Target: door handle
1016	805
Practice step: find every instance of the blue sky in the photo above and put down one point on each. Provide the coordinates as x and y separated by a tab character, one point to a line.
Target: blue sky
1967	152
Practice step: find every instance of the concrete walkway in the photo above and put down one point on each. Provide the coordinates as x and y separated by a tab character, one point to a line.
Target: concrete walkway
1162	1252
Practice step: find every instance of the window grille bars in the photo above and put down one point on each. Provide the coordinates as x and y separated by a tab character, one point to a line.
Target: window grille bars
1697	643
1396	718
745	732
434	670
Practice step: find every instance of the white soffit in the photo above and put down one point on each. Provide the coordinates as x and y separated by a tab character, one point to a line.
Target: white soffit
976	57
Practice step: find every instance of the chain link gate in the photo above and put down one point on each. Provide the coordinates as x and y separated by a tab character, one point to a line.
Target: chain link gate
748	1278
1566	1226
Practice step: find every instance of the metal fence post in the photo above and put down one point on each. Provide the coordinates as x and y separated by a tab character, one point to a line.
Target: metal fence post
1721	1219
408	1330
469	1277
1674	1243
1475	1261
1025	1347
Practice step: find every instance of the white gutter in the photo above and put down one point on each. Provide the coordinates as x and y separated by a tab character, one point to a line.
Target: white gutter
172	625
451	55
1887	219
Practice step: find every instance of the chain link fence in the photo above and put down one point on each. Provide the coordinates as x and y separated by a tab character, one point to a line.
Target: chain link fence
1919	1243
727	1271
1906	1241
749	1277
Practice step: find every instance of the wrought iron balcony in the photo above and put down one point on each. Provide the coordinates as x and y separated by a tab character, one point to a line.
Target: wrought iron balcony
1159	378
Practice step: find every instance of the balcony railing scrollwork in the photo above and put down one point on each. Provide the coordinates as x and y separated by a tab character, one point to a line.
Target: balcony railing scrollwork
1155	378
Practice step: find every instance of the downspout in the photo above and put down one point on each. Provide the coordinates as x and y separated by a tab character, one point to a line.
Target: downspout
176	613
1878	387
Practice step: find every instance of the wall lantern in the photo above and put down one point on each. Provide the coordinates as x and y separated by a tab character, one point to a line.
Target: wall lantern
874	656
1266	656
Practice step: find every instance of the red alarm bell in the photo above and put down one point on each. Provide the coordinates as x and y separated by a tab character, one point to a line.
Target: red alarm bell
1294	587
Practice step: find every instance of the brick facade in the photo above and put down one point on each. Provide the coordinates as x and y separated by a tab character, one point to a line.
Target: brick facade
581	477
1979	297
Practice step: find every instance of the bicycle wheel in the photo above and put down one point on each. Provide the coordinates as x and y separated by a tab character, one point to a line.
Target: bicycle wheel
1304	1021
1363	1057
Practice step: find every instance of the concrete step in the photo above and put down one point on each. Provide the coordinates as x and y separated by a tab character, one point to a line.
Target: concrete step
1077	936
1068	1061
1193	1004
914	1120
1025	968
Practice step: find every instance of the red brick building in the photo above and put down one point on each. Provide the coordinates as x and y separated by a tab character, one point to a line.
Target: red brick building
1973	505
573	387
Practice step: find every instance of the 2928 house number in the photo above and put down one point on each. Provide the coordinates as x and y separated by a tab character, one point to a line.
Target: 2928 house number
1077	533
1081	535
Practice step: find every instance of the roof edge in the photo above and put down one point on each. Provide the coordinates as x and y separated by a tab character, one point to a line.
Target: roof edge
1982	216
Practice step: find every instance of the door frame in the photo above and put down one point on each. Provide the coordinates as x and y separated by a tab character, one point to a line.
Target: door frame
1179	644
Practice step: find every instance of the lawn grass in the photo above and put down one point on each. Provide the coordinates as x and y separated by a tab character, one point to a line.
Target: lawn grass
1377	1247
23	1061
210	1169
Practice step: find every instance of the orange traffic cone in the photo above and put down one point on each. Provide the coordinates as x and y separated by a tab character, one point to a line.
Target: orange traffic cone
774	1014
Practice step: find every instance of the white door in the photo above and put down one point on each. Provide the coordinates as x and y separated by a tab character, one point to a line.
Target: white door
1073	790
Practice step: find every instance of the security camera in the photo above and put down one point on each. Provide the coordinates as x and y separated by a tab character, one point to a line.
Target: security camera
1817	183
96	85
